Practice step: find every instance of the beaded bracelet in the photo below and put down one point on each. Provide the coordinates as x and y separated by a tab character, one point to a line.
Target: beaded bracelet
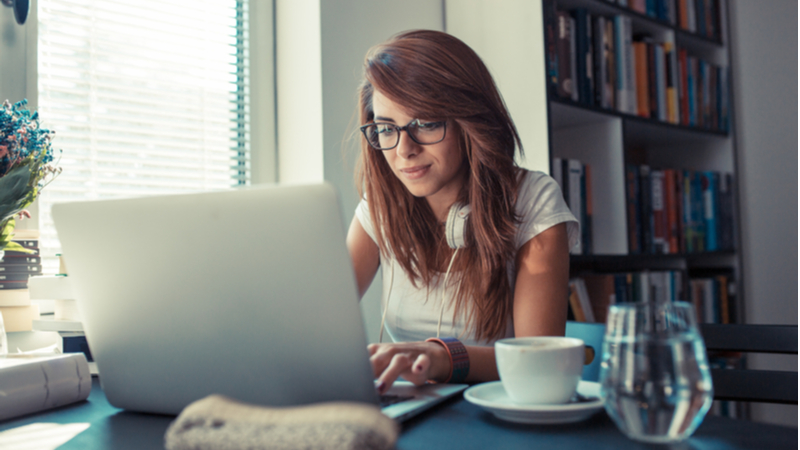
459	358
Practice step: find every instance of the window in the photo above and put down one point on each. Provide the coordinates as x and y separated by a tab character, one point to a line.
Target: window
146	97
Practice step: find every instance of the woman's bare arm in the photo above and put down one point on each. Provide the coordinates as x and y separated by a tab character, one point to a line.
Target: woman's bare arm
541	291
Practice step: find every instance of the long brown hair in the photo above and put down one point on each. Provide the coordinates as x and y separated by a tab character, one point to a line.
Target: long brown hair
434	75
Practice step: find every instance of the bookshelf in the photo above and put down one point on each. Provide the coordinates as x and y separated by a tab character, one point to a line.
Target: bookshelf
611	139
608	139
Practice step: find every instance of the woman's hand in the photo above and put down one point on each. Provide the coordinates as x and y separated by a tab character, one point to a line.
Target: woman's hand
416	362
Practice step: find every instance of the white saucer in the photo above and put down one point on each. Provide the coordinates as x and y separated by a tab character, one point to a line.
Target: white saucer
493	398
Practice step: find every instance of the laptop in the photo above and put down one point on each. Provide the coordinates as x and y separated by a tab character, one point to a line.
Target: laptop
248	293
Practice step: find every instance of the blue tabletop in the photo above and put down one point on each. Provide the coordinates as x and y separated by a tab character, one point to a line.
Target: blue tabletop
454	424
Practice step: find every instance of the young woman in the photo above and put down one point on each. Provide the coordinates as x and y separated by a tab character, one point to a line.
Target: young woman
472	247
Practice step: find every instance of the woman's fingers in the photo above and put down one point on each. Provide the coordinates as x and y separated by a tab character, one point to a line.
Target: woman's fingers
400	363
372	348
391	361
380	359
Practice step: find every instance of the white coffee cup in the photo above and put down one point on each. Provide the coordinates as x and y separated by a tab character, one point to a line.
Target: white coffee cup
540	370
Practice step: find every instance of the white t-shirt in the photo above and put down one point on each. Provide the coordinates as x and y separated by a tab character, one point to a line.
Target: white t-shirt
413	313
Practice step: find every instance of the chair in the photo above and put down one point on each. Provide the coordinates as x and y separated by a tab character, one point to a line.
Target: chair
746	384
592	335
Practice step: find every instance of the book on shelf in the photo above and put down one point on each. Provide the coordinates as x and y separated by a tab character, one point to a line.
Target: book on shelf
551	32
575	308
710	209
659	219
572	180
19	318
609	56
29	251
8	285
573	65
579	303
641	61
11	277
632	196
20	259
31	269
586	210
15	297
33	383
599	71
27	243
575	180
601	292
645	210
625	69
672	211
565	84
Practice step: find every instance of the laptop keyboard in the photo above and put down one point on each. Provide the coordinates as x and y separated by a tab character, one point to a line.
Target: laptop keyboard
388	399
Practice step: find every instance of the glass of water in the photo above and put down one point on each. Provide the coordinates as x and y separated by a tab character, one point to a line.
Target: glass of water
654	375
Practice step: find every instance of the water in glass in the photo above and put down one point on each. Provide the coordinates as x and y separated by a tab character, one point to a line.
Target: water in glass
654	373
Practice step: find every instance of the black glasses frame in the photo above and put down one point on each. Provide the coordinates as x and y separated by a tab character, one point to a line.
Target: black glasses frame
415	123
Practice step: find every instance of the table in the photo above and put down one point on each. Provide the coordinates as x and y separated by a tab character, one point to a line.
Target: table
454	424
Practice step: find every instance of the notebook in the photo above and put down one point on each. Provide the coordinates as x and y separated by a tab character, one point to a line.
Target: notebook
248	293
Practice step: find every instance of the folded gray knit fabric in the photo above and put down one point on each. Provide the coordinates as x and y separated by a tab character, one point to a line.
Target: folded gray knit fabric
221	423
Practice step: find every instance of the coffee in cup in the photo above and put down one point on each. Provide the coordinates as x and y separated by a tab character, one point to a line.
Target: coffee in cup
541	369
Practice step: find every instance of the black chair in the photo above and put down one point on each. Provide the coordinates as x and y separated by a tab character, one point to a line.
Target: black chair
746	384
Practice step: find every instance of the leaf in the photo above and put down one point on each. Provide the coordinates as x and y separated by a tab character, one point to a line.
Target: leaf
6	231
14	247
14	188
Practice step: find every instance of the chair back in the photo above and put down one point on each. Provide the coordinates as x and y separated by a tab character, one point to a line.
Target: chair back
592	335
751	385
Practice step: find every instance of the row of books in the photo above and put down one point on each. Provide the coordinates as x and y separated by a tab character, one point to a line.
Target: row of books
597	61
17	267
16	270
697	16
714	298
575	180
679	211
592	294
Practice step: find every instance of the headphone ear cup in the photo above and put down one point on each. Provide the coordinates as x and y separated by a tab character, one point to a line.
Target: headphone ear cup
456	227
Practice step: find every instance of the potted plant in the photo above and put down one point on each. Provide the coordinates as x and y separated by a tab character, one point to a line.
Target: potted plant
26	167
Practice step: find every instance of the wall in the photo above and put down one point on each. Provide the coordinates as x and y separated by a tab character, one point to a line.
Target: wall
515	59
320	50
764	53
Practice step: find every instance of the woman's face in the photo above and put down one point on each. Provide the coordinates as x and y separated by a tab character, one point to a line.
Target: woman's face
434	171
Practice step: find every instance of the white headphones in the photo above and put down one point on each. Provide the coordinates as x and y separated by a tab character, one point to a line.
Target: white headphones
456	226
455	230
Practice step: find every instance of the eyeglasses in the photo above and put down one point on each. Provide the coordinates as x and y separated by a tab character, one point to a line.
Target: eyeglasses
386	136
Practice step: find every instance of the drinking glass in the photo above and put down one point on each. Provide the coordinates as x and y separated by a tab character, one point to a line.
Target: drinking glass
654	374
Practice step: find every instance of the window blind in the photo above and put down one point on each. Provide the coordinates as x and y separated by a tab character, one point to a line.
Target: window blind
146	97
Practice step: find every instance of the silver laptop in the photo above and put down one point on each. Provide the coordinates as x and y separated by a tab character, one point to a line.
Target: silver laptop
248	293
